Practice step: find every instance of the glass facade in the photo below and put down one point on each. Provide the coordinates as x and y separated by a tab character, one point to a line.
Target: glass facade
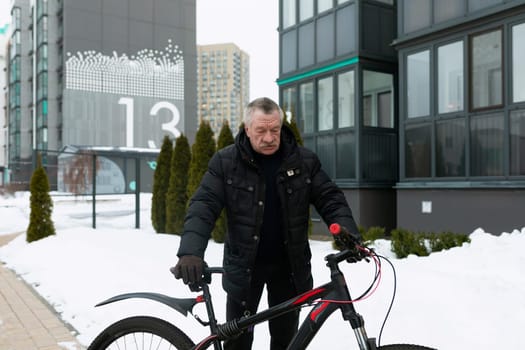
487	140
445	10
486	84
306	9
450	77
418	84
450	148
378	99
518	63
416	15
418	151
517	142
423	14
306	104
483	140
346	99
288	13
289	103
325	104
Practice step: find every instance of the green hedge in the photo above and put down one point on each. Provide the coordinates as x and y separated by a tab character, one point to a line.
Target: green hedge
405	242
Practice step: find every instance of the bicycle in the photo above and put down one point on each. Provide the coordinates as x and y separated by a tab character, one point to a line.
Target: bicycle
154	333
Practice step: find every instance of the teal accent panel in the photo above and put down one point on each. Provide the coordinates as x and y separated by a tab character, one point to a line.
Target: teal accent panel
317	71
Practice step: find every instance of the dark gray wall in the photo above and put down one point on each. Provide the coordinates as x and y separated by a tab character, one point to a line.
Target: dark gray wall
370	207
462	210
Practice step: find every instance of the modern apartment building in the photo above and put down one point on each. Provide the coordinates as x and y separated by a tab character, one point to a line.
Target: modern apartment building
3	98
98	73
338	76
416	108
461	114
223	85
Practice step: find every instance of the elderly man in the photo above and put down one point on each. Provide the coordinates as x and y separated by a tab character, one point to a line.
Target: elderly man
266	182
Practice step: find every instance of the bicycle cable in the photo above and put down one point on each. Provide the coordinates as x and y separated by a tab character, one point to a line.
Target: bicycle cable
391	301
373	287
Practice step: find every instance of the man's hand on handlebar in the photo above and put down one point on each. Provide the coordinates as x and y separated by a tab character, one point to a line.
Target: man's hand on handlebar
345	240
190	268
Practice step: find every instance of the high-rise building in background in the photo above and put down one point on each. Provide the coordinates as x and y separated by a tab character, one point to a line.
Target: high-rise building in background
117	73
3	98
223	85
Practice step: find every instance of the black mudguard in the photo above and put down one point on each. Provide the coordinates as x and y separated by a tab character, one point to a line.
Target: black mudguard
181	305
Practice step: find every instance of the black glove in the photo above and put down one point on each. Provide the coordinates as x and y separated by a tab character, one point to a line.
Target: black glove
359	254
345	240
189	268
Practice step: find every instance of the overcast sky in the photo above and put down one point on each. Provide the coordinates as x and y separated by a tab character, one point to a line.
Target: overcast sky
249	24
252	26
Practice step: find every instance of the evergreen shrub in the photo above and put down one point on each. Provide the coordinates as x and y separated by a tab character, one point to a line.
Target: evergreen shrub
176	198
40	222
221	226
161	178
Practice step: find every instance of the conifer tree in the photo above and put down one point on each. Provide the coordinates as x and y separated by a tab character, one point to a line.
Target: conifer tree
201	152
292	124
40	221
176	198
160	186
225	139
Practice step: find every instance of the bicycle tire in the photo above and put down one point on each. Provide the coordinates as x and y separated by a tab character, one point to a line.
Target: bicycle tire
404	347
139	333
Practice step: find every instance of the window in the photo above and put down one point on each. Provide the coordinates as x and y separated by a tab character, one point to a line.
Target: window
486	145
450	77
306	9
450	148
378	99
288	13
418	84
346	36
448	9
475	5
346	155
323	5
346	99
289	51
289	103
325	49
517	142
306	45
518	63
416	14
486	86
417	151
306	104
325	104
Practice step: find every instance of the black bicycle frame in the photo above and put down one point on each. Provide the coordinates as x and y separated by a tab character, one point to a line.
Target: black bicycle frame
330	297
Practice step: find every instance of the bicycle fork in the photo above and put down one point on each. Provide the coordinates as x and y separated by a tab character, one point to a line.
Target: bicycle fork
358	325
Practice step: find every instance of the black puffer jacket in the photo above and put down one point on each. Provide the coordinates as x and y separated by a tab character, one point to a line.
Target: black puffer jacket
234	181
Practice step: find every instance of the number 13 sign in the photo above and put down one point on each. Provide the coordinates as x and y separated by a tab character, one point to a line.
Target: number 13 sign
169	126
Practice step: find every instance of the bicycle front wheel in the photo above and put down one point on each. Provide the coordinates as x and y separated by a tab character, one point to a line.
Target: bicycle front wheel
404	347
141	333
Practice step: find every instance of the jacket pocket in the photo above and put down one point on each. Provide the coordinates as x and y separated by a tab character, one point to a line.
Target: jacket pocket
241	194
297	193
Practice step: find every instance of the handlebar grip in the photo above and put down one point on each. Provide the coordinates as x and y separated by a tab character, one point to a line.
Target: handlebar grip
342	236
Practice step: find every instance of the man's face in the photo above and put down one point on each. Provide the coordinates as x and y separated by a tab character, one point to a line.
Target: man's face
264	132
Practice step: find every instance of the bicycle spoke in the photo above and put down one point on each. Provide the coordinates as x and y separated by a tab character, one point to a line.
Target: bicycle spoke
140	341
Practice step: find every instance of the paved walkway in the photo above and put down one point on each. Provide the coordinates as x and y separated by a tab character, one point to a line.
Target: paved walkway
27	322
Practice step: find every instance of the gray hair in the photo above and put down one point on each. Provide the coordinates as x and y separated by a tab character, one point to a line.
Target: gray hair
264	104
